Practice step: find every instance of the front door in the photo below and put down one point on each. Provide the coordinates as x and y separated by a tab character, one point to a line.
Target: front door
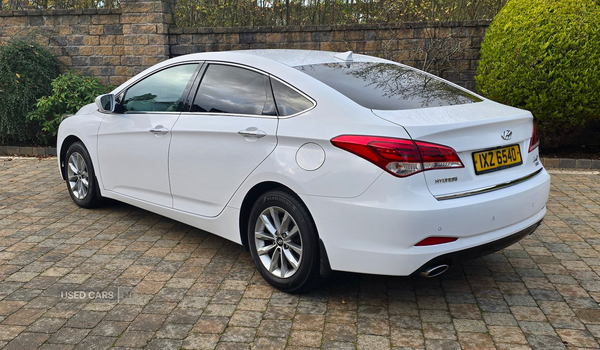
133	147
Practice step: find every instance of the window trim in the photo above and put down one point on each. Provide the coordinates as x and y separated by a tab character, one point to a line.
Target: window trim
185	92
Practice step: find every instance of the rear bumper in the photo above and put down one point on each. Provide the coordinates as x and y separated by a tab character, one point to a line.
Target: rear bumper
479	251
376	232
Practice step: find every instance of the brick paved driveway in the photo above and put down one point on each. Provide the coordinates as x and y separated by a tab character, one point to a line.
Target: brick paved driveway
184	288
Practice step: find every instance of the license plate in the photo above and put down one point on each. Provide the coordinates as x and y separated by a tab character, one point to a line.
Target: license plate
497	159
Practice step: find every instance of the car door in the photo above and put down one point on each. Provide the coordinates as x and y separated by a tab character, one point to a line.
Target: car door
133	146
230	129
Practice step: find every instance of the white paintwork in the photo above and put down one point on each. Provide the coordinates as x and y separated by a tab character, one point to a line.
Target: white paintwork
132	160
209	159
201	170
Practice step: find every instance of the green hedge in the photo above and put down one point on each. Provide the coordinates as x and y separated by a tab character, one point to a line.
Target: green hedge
26	71
544	56
70	92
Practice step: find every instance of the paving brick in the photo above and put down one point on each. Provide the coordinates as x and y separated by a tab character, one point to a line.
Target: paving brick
243	318
475	341
8	333
339	332
439	331
239	334
110	328
24	317
274	328
372	342
200	341
308	322
210	324
174	331
135	339
69	335
27	341
407	338
46	325
577	338
147	322
96	343
86	319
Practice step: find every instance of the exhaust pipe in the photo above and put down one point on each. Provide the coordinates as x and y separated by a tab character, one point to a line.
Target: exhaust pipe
434	271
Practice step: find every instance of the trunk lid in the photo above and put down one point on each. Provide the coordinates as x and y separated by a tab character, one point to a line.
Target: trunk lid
469	129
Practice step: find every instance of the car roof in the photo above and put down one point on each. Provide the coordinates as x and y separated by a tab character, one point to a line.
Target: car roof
294	58
291	58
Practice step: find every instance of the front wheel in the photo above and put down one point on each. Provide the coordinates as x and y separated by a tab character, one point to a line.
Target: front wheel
81	179
283	242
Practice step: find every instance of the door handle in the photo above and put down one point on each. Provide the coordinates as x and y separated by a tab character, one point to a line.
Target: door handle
159	129
252	132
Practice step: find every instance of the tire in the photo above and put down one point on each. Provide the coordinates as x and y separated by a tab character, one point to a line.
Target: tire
280	223
79	170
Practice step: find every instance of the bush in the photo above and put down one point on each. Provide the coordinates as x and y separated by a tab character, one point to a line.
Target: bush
544	56
26	71
70	92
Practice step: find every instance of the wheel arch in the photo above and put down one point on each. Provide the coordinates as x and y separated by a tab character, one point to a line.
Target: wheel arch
249	200
251	197
67	142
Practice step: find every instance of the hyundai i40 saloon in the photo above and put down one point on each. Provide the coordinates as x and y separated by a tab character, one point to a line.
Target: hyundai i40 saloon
313	161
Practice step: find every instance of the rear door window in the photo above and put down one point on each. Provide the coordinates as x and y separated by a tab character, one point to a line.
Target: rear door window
234	90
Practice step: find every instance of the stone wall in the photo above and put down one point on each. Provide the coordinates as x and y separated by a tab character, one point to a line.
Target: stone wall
113	44
448	49
116	44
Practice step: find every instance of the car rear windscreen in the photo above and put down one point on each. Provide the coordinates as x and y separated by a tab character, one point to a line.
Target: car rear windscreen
387	86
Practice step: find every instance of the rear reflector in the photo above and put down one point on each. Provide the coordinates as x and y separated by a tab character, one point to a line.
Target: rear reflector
435	240
400	157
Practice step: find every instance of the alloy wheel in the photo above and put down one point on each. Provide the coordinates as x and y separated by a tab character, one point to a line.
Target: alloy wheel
278	242
78	176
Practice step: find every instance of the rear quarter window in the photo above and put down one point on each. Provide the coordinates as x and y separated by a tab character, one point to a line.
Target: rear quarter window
288	100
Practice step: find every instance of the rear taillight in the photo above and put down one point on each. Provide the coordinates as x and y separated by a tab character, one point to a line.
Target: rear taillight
400	157
535	138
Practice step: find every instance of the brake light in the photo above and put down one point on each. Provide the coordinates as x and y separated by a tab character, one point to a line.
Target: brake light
535	138
435	241
399	157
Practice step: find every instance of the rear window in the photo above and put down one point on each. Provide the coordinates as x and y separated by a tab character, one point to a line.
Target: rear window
387	86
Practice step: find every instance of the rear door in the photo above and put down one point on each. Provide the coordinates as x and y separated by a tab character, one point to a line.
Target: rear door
229	130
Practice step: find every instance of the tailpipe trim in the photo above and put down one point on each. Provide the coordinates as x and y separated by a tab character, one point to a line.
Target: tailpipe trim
434	271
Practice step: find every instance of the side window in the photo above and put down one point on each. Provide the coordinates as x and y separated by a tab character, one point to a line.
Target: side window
288	100
233	90
161	91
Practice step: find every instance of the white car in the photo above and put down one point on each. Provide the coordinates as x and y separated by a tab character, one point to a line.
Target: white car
314	161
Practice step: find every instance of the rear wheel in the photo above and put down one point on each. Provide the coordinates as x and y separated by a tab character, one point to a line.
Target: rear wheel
283	242
80	177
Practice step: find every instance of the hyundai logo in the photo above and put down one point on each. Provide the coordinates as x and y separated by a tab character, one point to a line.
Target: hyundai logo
506	135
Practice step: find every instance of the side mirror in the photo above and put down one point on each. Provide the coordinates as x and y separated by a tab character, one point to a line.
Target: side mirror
106	103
